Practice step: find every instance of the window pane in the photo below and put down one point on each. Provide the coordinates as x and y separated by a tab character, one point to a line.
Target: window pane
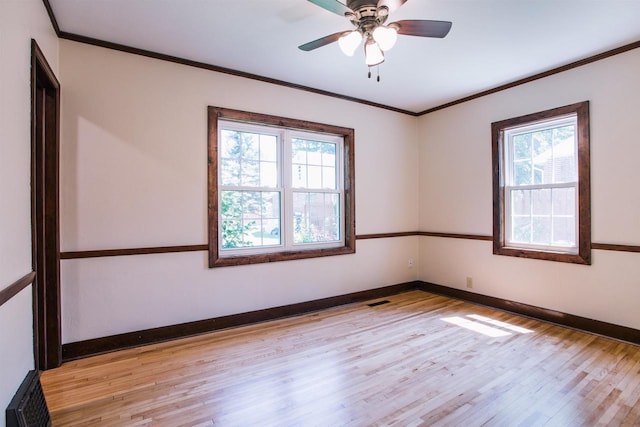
555	155
328	154
564	232
268	148
314	164
564	210
233	235
235	229
268	174
543	216
299	151
230	172
564	153
521	202
314	153
314	177
521	229
316	217
268	233
299	176
541	230
564	201
522	172
250	218
250	173
230	144
522	147
249	145
541	202
329	178
248	159
231	205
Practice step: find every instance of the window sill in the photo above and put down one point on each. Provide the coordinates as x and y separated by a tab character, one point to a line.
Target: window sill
584	257
228	261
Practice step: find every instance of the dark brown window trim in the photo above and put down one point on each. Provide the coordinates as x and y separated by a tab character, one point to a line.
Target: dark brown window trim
14	289
584	185
216	113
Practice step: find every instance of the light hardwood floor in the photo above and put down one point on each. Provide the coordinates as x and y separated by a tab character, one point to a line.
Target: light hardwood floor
412	361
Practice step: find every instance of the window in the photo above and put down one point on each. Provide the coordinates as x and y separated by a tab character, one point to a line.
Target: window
541	189
279	189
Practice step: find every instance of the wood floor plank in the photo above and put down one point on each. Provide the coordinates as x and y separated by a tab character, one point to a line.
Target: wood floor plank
421	359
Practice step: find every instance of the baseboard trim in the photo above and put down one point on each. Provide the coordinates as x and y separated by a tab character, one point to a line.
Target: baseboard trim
608	330
92	347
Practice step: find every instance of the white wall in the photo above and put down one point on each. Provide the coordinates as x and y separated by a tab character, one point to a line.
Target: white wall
20	20
134	174
455	195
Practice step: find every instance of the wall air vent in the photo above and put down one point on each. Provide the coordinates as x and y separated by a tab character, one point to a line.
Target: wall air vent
28	408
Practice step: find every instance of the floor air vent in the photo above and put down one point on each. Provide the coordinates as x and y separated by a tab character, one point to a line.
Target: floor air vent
374	304
28	407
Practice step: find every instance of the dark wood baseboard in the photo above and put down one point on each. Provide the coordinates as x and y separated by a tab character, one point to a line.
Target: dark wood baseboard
81	349
609	330
96	346
13	289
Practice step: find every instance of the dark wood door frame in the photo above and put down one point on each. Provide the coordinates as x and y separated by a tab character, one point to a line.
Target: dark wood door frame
45	149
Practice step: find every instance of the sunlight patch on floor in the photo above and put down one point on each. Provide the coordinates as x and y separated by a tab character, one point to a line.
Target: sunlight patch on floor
486	326
500	324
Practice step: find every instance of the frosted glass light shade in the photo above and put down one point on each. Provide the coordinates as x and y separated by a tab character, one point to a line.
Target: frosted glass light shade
372	53
349	42
385	37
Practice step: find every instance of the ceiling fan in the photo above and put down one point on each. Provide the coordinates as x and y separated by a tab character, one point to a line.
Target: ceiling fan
369	17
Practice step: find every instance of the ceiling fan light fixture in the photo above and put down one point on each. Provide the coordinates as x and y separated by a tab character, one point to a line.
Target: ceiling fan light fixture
349	42
385	37
372	53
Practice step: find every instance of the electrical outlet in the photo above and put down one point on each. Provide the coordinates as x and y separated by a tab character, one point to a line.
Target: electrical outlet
469	283
410	263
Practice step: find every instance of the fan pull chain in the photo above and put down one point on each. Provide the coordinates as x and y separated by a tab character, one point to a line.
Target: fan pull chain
378	71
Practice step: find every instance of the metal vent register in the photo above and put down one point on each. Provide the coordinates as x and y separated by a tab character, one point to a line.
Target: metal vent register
28	407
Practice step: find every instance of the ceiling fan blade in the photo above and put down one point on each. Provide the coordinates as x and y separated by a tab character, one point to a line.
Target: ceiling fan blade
320	42
332	6
391	4
423	28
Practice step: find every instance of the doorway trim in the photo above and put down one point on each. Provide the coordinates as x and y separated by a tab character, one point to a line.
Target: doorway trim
45	211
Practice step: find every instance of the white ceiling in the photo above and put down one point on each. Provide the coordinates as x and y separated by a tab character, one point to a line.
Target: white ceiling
492	42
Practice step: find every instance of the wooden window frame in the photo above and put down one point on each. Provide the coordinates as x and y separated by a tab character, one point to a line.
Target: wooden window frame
215	259
583	255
